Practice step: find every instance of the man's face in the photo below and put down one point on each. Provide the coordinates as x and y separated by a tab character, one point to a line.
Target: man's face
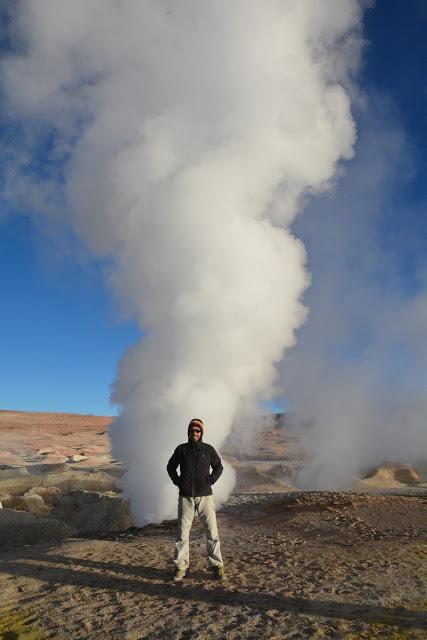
195	433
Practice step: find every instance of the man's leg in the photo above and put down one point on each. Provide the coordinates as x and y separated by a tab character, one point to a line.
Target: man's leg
185	520
206	511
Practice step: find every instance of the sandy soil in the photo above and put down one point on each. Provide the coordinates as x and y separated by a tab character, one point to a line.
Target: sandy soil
52	442
46	438
30	438
299	565
315	565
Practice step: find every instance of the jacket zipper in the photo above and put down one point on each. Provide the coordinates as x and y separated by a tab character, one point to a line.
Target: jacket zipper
194	471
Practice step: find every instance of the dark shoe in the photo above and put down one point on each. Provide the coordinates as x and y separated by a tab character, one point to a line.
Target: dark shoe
218	572
179	575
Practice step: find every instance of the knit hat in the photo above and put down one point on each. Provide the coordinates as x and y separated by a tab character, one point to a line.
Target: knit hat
195	422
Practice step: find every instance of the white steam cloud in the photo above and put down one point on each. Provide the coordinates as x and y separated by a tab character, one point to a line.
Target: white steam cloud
182	139
357	379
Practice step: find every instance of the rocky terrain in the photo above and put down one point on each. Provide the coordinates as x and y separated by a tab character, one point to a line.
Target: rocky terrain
299	564
53	438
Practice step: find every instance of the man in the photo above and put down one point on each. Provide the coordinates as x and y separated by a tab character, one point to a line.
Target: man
195	460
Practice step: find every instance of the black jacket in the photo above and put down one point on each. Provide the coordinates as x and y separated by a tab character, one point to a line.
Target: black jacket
195	461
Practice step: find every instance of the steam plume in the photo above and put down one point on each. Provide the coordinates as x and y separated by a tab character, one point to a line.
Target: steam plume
357	378
181	139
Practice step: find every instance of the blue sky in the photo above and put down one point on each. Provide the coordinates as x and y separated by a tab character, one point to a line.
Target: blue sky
60	335
61	339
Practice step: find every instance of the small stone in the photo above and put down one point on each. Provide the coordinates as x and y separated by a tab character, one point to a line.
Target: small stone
77	457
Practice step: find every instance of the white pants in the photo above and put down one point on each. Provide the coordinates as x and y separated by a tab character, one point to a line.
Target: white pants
187	508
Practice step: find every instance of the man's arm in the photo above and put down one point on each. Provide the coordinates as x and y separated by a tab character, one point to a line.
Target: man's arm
216	465
172	467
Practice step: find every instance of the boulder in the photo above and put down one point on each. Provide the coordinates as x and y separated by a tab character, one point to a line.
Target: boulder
77	457
54	458
279	471
49	467
47	493
18	528
32	503
92	512
250	479
16	481
80	480
7	458
7	472
392	474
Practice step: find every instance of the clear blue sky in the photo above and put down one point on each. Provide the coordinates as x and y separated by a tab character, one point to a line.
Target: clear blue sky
60	339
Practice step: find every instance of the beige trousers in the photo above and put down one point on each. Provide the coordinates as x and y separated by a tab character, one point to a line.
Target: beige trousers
187	508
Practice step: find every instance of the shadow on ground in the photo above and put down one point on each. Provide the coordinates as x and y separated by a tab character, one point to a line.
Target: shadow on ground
55	570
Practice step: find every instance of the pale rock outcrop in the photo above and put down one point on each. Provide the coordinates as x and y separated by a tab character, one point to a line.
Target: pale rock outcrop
77	457
47	493
392	474
251	479
16	481
78	480
31	503
19	527
44	468
92	512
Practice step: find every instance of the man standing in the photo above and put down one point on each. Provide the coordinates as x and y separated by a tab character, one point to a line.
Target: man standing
195	460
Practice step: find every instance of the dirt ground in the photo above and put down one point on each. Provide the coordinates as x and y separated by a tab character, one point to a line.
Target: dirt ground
299	565
29	438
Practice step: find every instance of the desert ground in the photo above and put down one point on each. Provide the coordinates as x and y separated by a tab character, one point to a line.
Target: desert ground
299	564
